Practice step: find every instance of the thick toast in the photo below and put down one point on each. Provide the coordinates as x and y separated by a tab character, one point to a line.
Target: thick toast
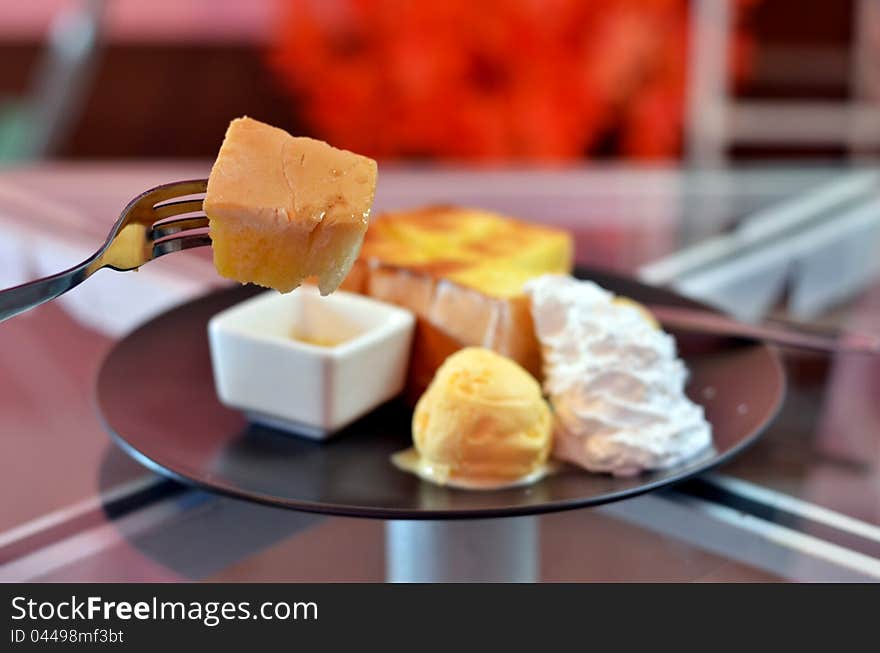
461	271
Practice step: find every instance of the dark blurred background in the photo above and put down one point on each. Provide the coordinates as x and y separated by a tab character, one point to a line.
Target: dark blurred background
704	81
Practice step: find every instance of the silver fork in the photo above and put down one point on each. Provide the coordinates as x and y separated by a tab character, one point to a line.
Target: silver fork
146	229
776	332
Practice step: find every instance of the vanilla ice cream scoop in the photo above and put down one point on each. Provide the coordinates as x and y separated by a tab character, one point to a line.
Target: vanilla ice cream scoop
481	424
614	379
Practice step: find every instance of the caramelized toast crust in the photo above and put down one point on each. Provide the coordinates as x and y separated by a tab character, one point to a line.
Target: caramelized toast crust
461	271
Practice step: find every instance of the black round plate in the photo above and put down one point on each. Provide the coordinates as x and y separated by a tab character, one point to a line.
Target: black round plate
156	395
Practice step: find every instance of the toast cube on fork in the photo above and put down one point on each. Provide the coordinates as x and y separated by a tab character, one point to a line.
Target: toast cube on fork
283	208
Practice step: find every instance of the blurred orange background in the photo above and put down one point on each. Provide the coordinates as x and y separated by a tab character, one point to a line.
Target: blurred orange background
499	80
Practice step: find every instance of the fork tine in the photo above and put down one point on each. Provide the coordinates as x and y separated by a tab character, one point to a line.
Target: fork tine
175	226
180	243
148	199
176	208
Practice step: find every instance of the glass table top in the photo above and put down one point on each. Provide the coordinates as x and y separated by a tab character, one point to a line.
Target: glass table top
801	504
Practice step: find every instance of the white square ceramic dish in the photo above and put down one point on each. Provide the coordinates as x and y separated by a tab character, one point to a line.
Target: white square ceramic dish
264	366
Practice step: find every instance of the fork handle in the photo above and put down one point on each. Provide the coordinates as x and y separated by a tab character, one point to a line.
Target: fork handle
780	333
29	295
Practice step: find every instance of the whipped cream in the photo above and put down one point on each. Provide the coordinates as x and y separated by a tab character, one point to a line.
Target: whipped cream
614	379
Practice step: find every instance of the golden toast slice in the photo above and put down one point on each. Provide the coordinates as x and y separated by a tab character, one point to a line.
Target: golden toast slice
461	271
283	208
